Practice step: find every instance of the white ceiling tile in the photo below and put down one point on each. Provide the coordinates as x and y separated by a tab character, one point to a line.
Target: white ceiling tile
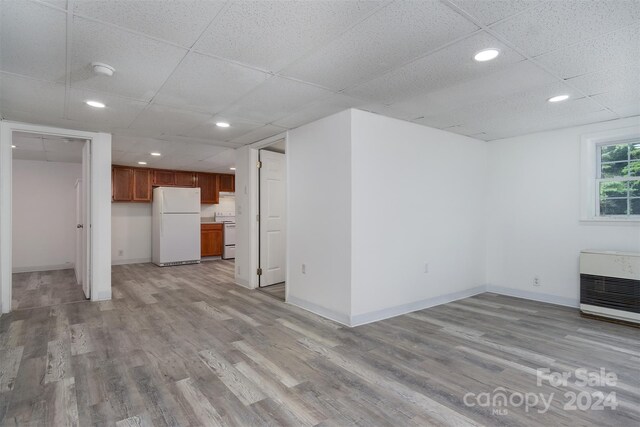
207	84
619	98
517	78
119	112
491	11
238	127
180	22
33	40
160	119
272	34
276	98
331	104
624	79
35	97
61	145
611	50
396	34
29	155
561	23
258	134
64	157
628	110
140	145
142	65
27	142
446	67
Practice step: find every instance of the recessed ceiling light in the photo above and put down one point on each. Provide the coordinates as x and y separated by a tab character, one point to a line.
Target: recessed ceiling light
156	154
95	104
486	55
232	169
13	146
142	163
102	69
558	98
222	124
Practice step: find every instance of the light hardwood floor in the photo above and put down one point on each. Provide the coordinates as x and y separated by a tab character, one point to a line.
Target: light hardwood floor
276	291
45	288
184	346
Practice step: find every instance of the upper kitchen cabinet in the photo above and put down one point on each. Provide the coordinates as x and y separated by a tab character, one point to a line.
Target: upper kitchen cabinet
121	188
142	185
185	179
227	183
208	183
163	178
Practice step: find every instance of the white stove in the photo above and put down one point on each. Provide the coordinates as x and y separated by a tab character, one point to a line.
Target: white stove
229	235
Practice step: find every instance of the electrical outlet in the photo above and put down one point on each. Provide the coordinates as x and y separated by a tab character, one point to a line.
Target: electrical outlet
120	252
304	269
536	281
426	267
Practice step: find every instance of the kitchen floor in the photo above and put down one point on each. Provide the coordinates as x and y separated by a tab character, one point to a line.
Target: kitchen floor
44	289
276	291
186	346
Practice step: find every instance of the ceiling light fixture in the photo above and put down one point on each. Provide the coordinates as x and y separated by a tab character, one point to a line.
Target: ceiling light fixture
102	69
558	98
142	163
486	55
13	146
155	154
232	169
95	104
222	124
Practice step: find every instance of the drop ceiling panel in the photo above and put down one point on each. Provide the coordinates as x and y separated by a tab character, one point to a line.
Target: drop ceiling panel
272	34
27	142
142	64
561	23
258	134
619	79
30	96
491	11
514	79
396	34
446	67
119	112
160	119
29	155
59	145
71	157
209	130
608	51
276	98
334	103
206	84
180	22
32	40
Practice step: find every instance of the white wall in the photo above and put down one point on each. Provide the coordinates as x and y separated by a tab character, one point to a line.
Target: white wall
227	204
44	215
319	216
130	233
534	225
418	197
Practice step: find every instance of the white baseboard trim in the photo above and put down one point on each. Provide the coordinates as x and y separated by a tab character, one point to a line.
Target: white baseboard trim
374	316
36	268
243	283
102	296
535	296
320	311
130	261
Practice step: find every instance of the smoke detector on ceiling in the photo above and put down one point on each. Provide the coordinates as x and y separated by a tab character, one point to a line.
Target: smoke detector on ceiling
102	69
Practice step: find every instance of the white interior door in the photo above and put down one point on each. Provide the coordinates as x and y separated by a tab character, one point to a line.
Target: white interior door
86	219
272	218
79	221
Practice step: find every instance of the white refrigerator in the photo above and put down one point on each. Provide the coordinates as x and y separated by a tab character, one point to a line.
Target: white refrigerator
175	236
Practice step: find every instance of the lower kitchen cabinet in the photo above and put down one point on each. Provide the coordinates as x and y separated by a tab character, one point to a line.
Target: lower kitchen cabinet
211	241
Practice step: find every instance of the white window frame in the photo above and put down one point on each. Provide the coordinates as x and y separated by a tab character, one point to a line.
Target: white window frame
590	177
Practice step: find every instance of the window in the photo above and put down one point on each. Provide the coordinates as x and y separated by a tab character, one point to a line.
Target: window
618	178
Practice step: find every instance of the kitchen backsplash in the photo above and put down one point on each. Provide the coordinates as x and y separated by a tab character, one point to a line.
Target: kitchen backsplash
227	204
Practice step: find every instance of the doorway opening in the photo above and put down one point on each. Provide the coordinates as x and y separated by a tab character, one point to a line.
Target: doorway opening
272	220
50	220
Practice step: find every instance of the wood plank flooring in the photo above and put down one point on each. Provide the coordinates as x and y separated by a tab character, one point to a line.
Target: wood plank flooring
44	289
184	346
276	291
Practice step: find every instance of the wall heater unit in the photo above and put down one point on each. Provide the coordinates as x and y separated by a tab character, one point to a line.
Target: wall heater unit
610	285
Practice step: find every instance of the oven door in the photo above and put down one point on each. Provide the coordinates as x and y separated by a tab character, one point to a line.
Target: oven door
229	233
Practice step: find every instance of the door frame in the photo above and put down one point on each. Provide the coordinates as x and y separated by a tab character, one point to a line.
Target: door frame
99	261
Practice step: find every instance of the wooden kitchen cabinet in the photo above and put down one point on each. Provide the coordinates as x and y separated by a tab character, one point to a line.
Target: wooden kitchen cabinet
141	184
211	240
208	183
185	179
121	188
227	183
164	178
